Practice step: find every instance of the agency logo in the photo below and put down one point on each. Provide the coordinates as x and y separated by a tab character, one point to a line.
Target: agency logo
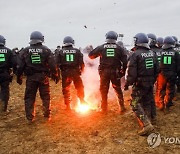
154	140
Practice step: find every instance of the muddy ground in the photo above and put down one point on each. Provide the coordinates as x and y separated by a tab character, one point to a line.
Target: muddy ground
74	133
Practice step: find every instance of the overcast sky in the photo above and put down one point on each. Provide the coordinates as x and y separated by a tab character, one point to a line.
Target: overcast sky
59	18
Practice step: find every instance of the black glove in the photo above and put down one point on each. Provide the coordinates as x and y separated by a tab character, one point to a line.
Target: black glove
55	78
19	80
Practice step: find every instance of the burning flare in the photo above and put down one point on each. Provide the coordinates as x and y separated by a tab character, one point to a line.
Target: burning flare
82	108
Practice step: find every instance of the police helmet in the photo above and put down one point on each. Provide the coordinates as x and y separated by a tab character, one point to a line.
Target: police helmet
120	43
152	39
68	40
175	39
111	37
36	37
160	41
2	40
169	40
141	39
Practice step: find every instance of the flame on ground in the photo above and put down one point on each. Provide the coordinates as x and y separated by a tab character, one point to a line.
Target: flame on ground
84	108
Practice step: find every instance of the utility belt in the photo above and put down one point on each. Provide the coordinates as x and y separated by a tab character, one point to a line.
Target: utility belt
112	69
66	68
30	71
101	67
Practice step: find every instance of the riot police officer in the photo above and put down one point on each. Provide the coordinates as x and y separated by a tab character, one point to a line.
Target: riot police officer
6	63
71	64
121	44
169	67
15	53
177	48
153	46
160	41
36	61
113	63
141	73
58	48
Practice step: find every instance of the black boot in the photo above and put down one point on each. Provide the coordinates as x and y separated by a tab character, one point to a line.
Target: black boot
68	107
178	89
1	106
147	127
47	113
122	109
67	102
104	107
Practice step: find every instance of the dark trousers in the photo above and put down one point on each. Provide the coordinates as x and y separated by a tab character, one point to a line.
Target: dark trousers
165	90
68	77
107	76
4	85
142	103
4	94
178	84
33	83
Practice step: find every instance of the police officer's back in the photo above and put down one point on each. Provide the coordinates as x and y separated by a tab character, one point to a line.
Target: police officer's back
113	63
169	61
6	63
142	73
37	62
169	67
71	64
177	48
142	62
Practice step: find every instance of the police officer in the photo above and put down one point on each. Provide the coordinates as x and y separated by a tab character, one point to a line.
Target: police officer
153	46
88	62
141	73
169	67
177	48
6	63
113	63
15	53
36	61
70	62
58	48
160	41
121	44
156	46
